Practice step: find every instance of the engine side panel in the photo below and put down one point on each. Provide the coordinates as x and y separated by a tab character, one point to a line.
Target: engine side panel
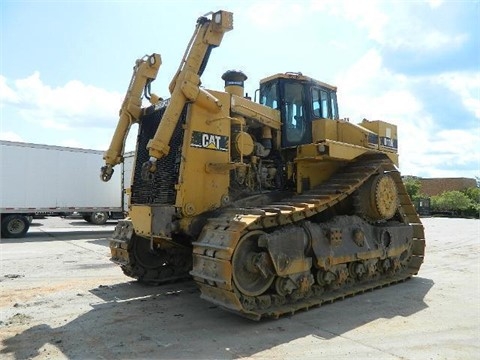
205	162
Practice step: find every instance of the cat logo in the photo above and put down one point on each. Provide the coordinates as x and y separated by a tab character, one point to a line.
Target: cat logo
209	141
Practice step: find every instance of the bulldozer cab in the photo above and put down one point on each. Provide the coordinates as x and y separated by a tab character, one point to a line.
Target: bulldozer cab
300	100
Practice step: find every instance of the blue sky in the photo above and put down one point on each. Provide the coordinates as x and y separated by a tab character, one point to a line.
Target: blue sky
65	66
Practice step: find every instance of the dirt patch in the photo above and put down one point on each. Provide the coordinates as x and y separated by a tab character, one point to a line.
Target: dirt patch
18	319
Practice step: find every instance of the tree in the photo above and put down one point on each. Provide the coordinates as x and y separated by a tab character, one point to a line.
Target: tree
413	186
451	201
474	195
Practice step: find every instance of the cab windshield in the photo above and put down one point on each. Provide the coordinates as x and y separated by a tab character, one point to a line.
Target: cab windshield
299	102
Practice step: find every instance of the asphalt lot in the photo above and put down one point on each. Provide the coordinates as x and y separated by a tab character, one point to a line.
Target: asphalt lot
61	298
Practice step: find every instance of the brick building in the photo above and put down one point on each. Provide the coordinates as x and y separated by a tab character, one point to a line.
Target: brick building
436	186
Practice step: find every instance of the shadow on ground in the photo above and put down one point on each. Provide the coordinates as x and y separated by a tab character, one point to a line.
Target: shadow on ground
171	321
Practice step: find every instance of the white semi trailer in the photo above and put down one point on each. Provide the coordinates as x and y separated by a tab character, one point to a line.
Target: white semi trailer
54	180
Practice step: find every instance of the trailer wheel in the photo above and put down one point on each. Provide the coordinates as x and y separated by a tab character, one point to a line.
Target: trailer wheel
15	226
99	218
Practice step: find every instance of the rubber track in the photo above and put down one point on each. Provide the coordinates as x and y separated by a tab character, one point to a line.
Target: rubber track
212	253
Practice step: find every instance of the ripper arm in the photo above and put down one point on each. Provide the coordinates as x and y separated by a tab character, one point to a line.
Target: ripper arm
144	72
185	85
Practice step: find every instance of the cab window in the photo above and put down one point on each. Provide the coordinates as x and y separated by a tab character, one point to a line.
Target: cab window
295	120
334	106
324	104
269	96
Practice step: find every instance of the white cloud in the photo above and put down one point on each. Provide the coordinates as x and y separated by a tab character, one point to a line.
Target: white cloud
367	14
10	136
369	90
421	39
393	25
272	14
434	3
445	155
427	151
362	71
370	15
466	85
64	107
7	95
47	122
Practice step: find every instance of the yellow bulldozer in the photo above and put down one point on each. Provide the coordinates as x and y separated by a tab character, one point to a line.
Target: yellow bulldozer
272	206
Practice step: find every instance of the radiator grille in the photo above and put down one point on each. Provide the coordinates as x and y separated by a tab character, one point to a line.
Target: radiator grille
160	190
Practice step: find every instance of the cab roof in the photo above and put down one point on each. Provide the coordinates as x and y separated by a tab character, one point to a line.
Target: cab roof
298	76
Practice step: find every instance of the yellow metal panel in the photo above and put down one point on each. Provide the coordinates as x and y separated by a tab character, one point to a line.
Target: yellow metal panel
206	141
337	151
264	115
387	134
393	157
342	151
381	128
329	150
316	171
323	129
141	216
352	134
309	151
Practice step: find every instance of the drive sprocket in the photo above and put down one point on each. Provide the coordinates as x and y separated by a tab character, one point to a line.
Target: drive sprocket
377	199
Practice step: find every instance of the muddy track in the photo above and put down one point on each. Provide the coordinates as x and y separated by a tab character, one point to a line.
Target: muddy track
214	250
169	265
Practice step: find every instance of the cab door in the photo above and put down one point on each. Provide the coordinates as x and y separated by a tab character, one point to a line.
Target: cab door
296	119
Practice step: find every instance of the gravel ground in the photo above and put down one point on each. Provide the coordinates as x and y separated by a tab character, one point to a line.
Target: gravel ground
61	298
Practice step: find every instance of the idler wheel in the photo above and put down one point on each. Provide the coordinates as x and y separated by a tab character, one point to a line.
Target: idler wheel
251	266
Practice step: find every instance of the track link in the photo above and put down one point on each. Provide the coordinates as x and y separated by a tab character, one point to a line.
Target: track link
137	261
213	252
